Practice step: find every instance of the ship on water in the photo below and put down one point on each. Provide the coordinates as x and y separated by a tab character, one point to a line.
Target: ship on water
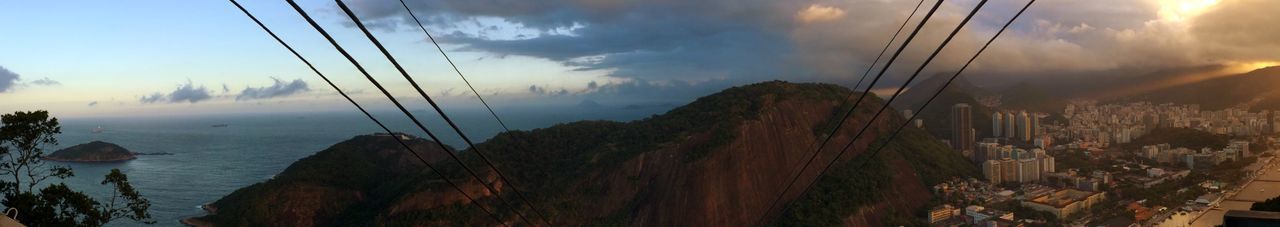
98	129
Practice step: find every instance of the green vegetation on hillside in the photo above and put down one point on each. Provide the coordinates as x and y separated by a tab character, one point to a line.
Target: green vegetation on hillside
1031	98
1227	91
937	116
355	166
92	148
559	167
1272	204
847	188
92	151
22	136
555	155
1181	137
543	163
558	156
933	160
839	193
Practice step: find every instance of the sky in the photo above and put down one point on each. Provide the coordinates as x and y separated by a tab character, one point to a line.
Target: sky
153	57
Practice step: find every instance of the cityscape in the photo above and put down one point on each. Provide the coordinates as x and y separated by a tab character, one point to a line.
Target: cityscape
1111	164
545	113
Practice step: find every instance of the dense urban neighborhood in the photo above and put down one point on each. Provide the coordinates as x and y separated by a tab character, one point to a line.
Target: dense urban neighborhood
1110	165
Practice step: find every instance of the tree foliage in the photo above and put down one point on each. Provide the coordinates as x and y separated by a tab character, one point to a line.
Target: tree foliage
22	137
863	180
1181	137
1272	204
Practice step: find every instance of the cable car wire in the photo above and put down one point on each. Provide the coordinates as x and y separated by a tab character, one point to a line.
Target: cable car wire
519	194
401	106
367	114
846	115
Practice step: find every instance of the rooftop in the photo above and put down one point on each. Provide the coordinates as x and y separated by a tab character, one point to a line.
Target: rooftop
1062	198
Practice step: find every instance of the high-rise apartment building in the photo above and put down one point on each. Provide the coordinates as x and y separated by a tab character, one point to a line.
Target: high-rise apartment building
1035	126
1028	170
997	120
1024	127
991	169
962	137
1010	125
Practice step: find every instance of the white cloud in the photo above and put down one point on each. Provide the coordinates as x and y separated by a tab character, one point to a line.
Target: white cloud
279	88
819	13
188	92
45	82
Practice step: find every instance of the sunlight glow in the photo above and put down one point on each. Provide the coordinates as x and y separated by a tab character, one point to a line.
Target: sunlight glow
1179	10
819	13
1250	66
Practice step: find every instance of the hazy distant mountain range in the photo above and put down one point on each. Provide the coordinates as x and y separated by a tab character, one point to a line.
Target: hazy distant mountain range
719	160
1203	85
1259	89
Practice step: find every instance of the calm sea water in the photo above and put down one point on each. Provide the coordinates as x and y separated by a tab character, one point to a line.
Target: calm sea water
210	162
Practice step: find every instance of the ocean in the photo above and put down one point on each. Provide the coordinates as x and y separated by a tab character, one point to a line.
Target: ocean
210	162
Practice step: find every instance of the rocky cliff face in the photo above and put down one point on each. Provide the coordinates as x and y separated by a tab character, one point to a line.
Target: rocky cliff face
717	161
96	151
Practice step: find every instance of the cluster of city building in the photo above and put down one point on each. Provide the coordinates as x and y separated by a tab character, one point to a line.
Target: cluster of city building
1019	155
1023	127
1060	202
972	214
1121	123
1013	128
1064	202
1008	164
978	192
1165	154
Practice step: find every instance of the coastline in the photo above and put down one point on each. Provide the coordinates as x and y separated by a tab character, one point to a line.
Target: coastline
90	160
195	220
1213	215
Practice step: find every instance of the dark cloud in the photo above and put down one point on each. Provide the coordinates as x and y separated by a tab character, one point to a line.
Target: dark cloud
587	103
153	98
669	44
651	40
1241	28
184	93
280	88
540	90
695	41
450	92
537	90
639	91
93	103
45	82
7	79
634	93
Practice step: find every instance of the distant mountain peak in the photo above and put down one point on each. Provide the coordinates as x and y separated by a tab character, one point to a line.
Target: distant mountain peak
587	103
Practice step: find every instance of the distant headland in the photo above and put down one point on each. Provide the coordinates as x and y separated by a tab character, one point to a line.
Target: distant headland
96	151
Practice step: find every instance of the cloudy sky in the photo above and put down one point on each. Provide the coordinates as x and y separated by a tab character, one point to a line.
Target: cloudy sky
190	57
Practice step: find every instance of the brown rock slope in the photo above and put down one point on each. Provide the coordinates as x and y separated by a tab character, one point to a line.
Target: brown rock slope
718	161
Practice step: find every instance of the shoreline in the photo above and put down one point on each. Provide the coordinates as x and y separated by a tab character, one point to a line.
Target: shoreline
130	158
195	220
1235	192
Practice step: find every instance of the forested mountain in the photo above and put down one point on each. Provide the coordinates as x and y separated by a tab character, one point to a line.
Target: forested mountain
717	161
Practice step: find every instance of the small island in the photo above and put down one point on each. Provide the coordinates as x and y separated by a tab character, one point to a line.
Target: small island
96	151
